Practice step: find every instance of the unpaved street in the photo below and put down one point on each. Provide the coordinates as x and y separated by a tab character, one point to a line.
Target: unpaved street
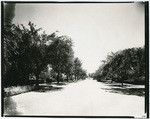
83	98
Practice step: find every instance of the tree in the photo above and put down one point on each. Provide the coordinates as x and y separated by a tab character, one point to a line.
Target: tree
9	45
77	68
38	60
124	66
38	54
16	48
68	69
83	74
24	53
60	54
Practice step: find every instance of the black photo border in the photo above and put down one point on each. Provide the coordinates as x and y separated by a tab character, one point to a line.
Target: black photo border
80	2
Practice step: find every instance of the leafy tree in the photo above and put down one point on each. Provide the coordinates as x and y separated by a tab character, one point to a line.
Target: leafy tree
16	48
83	74
60	54
24	53
68	70
78	70
124	66
77	67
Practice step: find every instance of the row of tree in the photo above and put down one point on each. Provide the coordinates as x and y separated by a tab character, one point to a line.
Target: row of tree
123	66
27	51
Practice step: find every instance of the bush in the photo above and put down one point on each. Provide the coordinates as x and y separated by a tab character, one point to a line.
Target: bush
14	90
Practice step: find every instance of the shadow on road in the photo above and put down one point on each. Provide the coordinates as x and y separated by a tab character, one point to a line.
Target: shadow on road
126	91
119	85
10	107
47	88
60	84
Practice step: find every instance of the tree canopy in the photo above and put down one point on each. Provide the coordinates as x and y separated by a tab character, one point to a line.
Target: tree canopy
27	51
123	66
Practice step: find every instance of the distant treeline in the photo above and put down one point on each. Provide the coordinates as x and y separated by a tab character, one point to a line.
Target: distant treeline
126	66
29	53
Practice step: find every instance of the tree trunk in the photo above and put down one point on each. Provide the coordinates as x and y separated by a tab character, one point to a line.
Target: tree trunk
122	83
71	77
122	80
112	80
58	78
37	79
75	78
67	78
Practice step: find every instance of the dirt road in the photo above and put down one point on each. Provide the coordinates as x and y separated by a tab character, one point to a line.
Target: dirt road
83	98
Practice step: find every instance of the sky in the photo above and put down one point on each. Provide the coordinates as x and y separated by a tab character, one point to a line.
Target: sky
95	28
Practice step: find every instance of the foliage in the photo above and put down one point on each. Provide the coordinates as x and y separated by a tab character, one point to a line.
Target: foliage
23	53
78	71
27	52
14	90
123	66
60	55
15	49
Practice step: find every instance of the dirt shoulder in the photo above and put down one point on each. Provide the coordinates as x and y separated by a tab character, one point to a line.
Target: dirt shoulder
127	89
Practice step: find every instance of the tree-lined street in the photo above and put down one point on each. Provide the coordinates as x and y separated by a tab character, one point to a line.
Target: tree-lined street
83	98
72	60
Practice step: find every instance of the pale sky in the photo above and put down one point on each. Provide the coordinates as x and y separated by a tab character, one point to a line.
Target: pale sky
95	28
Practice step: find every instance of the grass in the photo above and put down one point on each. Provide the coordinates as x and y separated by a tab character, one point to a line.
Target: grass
127	89
14	90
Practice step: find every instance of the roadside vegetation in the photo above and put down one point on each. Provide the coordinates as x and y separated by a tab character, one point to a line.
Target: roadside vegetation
14	90
31	57
126	66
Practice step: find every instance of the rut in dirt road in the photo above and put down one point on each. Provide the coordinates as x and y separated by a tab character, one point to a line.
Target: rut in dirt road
83	98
